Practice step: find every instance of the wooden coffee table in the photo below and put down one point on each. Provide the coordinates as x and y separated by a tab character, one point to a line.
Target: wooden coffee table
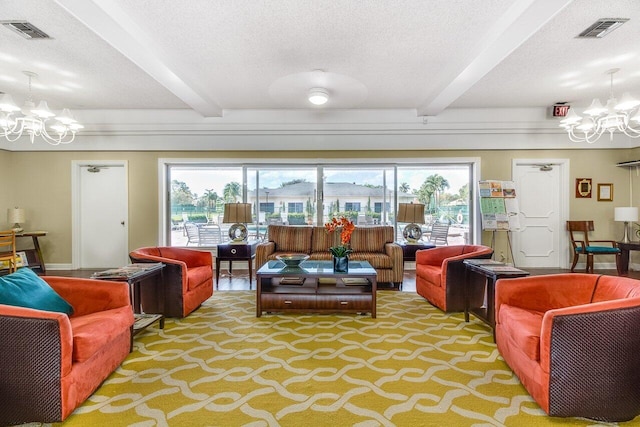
315	288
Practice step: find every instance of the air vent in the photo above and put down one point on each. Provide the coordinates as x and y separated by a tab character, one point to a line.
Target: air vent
26	29
602	27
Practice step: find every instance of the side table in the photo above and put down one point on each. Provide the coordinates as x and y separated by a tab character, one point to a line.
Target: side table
480	300
236	252
409	249
134	275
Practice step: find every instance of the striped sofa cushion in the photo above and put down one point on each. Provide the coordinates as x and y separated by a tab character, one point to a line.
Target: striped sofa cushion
323	240
371	239
291	239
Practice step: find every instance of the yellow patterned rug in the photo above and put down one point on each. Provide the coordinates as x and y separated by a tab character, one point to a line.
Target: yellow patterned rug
222	366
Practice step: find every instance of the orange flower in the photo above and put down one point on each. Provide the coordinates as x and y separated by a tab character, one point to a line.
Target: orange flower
347	228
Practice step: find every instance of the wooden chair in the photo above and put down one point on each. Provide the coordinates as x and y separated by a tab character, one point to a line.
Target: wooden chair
579	234
8	249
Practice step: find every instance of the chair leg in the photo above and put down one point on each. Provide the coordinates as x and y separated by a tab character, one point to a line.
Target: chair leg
589	263
618	264
575	261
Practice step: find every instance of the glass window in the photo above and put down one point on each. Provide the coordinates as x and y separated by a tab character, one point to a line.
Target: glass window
291	194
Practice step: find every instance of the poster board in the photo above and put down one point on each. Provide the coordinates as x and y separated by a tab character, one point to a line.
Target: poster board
498	205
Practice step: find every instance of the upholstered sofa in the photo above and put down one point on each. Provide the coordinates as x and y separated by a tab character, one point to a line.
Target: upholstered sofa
440	274
50	361
374	244
572	340
187	276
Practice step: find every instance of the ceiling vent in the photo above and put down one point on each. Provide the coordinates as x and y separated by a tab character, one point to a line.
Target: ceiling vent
26	29
602	27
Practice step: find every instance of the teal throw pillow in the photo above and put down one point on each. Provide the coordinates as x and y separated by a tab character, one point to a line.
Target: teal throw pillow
25	289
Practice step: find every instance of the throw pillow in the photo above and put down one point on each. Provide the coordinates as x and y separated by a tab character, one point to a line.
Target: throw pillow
24	288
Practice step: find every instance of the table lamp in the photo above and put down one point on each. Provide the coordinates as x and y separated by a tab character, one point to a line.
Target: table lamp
15	216
626	215
237	214
413	213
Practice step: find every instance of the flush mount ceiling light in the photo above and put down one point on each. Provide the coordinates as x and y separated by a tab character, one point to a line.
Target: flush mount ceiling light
36	121
318	96
616	116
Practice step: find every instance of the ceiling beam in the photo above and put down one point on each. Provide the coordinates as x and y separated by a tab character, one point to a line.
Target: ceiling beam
519	22
110	22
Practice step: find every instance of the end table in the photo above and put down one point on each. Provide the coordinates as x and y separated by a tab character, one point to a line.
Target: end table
236	252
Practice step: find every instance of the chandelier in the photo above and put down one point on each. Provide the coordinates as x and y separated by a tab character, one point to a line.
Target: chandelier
35	121
614	117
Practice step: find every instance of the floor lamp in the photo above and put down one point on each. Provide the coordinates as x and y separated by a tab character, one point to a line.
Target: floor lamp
626	215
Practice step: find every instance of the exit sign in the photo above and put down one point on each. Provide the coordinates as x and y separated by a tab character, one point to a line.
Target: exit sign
560	110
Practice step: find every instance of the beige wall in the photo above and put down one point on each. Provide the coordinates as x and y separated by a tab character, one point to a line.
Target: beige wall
41	183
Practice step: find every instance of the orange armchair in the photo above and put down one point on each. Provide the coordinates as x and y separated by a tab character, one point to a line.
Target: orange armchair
440	274
187	276
50	362
571	340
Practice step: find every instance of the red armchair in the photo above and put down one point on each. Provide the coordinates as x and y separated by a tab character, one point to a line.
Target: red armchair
187	276
440	274
50	362
572	341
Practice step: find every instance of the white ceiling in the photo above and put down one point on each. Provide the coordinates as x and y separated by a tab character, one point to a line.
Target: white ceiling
213	57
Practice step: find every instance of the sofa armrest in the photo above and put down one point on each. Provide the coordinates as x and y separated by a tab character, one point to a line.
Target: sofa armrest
263	250
546	292
592	359
35	353
90	295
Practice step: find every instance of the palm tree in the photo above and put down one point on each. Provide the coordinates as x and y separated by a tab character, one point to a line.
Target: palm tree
212	198
404	187
439	184
232	191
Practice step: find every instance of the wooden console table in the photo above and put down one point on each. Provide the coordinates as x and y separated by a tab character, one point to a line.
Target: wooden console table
34	256
624	255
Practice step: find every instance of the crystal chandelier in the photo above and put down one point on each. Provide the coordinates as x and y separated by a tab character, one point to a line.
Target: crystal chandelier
614	117
36	121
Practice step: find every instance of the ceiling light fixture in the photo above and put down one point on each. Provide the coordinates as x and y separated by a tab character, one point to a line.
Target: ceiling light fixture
36	120
614	117
318	96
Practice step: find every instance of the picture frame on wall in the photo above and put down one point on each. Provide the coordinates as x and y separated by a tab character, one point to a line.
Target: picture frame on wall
583	188
605	192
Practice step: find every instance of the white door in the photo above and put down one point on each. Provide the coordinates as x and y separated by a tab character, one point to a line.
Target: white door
542	195
100	215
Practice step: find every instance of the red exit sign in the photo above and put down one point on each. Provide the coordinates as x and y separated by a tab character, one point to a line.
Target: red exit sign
560	110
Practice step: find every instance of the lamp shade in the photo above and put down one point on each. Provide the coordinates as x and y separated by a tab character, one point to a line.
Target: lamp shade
626	214
411	212
237	213
15	215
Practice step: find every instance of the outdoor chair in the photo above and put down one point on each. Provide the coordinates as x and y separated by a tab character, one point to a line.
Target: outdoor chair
579	234
209	235
193	235
439	233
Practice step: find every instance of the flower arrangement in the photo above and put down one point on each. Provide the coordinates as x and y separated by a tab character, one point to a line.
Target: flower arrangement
345	235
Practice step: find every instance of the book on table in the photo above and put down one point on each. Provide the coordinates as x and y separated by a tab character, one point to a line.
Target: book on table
125	272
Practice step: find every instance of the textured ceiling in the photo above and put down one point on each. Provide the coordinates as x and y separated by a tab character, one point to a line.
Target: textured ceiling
212	56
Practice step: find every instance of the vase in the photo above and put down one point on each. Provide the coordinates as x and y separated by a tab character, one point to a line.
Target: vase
341	264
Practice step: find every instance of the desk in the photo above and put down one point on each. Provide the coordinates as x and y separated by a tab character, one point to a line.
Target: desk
34	256
236	252
624	255
479	297
134	275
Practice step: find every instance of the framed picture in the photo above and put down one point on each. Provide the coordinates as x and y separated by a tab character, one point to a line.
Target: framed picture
605	192
583	188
